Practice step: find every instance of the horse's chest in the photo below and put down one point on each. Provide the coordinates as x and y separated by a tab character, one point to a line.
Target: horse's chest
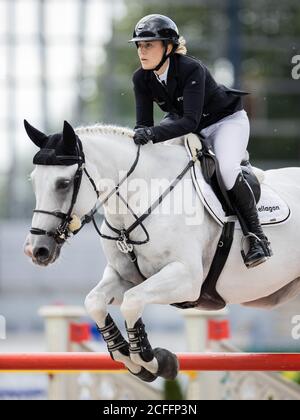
151	265
148	265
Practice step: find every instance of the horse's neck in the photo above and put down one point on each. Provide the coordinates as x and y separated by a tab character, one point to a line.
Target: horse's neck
108	155
109	158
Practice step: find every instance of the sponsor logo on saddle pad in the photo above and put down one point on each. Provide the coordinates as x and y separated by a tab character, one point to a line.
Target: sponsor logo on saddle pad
270	209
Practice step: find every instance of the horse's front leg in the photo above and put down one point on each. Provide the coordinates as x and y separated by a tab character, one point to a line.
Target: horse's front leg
110	290
173	284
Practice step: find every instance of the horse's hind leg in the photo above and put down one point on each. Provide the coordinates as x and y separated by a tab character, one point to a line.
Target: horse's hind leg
172	284
111	290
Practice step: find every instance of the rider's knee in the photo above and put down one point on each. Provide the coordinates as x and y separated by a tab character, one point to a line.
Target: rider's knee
229	173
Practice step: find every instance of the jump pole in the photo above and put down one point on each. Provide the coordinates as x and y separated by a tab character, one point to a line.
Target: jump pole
67	362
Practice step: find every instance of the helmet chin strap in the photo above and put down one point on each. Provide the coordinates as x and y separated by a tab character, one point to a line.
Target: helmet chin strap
165	56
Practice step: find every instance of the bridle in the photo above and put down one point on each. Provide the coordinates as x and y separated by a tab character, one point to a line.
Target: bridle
62	232
72	224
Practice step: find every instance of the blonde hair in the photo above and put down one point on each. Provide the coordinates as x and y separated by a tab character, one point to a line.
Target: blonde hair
182	49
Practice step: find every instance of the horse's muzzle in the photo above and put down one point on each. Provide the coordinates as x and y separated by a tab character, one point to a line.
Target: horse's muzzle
28	247
42	252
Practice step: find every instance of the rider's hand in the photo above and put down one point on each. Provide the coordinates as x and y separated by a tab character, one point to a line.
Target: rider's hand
143	135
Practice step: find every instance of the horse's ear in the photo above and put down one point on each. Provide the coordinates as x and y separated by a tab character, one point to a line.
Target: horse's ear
38	138
69	138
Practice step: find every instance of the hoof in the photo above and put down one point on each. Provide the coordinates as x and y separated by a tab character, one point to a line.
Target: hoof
167	363
145	375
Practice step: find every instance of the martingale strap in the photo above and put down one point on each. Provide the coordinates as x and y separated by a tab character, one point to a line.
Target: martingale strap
125	233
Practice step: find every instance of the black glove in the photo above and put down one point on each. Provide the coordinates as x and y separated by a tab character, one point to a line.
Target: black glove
143	135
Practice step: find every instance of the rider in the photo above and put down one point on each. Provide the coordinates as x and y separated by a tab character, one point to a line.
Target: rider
183	87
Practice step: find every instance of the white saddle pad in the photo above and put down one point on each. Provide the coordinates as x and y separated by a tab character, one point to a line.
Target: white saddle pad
272	209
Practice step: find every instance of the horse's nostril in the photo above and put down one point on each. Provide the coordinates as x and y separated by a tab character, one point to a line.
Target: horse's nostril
41	253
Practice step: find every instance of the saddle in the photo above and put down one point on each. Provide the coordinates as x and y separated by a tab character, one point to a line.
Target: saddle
212	175
209	298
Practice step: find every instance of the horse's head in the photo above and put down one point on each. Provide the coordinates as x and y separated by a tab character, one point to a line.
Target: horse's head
59	187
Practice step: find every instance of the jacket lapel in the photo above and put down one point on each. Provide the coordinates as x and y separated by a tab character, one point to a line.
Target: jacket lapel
172	81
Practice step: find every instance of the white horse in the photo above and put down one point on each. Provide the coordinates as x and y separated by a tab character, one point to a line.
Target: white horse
178	256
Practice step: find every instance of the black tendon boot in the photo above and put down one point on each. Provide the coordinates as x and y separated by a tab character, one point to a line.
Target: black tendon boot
113	337
116	342
243	201
138	341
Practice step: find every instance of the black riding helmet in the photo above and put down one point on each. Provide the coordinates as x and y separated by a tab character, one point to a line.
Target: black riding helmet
157	28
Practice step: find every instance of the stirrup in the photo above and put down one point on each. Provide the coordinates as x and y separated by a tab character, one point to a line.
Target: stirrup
254	263
259	261
265	244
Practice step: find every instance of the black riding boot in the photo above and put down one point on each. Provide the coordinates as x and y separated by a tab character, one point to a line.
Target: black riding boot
244	203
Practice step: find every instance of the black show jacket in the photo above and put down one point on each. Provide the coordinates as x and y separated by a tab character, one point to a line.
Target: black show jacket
191	93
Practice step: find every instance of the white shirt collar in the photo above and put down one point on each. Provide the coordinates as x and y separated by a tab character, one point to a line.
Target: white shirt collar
163	77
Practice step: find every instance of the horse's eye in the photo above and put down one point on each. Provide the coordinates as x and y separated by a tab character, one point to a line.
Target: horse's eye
63	184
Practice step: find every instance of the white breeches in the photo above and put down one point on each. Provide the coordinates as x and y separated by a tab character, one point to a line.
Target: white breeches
229	139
